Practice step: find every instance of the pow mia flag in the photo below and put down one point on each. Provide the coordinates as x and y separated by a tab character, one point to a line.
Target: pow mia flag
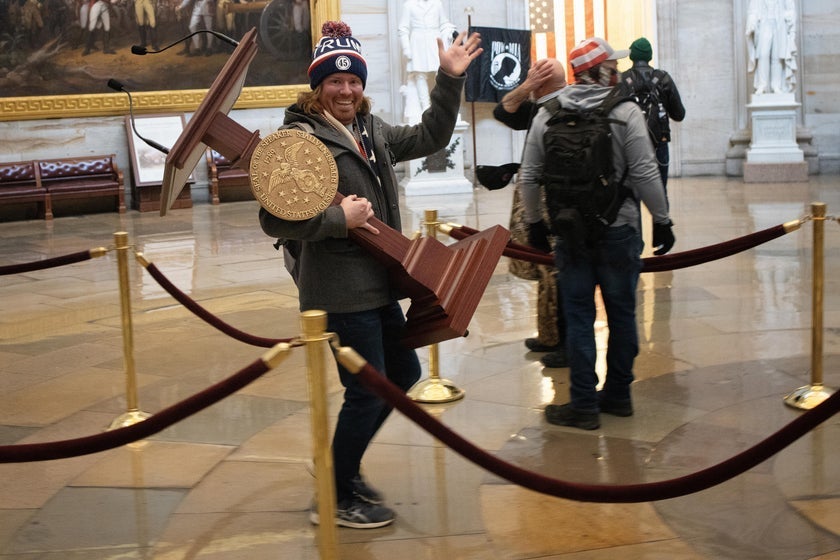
501	67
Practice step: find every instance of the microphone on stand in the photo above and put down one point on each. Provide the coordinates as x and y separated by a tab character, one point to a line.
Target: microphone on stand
117	86
137	49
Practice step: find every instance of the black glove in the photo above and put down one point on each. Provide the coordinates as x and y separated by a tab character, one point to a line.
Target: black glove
663	238
538	236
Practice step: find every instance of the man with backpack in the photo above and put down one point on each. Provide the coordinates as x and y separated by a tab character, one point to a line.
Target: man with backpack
657	94
589	151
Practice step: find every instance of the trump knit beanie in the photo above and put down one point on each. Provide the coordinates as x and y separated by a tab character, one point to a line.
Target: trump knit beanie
640	49
336	51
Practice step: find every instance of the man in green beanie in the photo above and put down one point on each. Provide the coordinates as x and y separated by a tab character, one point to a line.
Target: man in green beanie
657	95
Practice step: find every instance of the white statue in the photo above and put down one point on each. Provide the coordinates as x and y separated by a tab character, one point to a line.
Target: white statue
421	24
771	45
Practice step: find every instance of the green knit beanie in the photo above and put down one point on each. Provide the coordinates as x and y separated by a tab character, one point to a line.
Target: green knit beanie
640	49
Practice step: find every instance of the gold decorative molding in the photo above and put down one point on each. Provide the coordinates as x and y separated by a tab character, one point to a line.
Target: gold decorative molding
108	104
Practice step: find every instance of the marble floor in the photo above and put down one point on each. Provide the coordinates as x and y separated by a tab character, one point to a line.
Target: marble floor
721	344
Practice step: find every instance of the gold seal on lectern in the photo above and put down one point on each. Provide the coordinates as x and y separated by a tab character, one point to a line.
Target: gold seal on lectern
293	175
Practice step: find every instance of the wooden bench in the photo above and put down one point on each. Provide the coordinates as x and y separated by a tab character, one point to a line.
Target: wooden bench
20	183
226	179
83	177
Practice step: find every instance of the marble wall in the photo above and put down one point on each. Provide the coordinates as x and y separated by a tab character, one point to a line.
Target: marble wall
819	49
701	44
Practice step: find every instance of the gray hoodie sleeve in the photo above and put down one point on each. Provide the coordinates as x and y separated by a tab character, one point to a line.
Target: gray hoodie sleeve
531	168
638	159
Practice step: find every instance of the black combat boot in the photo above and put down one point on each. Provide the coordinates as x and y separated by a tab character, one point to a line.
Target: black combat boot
106	44
89	43
153	38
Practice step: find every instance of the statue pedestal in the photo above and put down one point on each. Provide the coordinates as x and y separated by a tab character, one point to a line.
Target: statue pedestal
773	155
441	172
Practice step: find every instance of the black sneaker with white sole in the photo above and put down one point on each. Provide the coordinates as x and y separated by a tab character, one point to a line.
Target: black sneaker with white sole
357	514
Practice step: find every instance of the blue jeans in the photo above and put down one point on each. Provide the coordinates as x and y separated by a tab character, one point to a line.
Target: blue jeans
663	158
375	335
614	264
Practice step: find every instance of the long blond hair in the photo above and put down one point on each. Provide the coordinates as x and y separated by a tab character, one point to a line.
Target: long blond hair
309	102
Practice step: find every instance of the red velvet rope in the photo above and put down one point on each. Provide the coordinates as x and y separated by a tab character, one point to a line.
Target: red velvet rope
208	317
602	493
46	263
712	252
114	438
649	264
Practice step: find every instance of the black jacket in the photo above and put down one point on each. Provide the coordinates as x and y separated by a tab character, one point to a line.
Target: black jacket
519	119
669	95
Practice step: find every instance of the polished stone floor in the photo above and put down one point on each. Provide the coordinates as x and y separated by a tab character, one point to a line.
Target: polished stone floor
721	344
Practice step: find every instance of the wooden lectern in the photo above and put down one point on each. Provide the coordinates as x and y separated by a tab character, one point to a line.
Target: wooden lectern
445	282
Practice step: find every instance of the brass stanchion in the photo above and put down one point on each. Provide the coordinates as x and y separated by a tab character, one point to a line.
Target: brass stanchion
434	389
133	414
809	396
314	325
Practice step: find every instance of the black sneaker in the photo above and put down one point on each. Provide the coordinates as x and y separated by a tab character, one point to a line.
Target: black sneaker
556	359
623	408
565	415
367	493
534	345
361	489
357	514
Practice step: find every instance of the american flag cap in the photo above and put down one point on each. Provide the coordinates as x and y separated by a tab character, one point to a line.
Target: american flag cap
592	52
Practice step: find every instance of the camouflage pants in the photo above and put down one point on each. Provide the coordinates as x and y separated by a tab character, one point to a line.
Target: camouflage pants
546	276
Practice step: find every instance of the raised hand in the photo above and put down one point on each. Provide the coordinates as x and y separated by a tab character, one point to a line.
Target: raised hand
457	57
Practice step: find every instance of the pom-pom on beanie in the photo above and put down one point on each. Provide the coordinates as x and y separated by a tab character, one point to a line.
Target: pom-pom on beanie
336	51
640	49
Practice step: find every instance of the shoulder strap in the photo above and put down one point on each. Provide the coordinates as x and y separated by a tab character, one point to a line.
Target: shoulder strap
304	126
657	77
613	98
552	105
636	80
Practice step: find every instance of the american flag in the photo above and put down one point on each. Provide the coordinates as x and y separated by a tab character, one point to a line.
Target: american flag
558	25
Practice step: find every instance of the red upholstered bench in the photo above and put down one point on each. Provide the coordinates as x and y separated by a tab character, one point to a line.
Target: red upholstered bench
19	183
234	182
83	177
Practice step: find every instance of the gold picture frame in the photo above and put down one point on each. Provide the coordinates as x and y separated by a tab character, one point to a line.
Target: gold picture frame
171	101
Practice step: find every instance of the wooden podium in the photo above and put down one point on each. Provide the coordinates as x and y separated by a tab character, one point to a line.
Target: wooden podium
445	282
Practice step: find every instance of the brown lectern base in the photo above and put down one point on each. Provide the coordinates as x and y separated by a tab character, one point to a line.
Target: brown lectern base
147	199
